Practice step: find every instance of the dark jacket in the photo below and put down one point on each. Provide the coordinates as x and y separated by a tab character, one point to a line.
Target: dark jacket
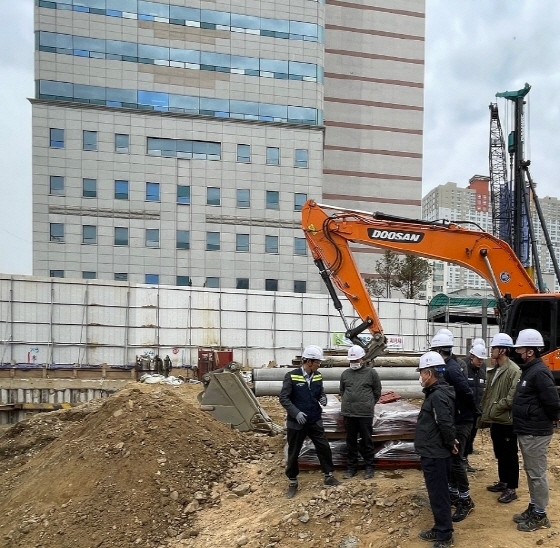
535	403
360	390
465	406
296	395
435	428
476	377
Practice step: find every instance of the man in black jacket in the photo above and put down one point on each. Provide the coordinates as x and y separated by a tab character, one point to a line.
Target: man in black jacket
302	392
360	390
536	408
435	442
465	414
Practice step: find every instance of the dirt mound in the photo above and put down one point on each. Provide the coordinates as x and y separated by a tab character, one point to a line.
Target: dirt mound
130	470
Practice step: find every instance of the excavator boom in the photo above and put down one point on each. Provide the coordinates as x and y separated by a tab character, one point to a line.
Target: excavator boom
329	235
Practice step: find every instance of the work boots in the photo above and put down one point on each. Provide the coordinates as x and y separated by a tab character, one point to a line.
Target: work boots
525	515
464	507
350	473
534	521
292	489
330	481
368	474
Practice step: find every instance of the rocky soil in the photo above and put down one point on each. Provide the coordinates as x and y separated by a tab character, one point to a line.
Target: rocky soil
148	468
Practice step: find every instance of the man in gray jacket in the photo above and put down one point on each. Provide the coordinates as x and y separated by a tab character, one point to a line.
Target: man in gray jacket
360	389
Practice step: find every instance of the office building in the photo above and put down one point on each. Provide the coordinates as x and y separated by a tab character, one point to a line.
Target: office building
174	142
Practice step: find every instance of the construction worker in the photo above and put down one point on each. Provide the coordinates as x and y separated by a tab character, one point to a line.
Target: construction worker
302	395
536	408
360	390
465	414
462	363
435	442
496	405
476	377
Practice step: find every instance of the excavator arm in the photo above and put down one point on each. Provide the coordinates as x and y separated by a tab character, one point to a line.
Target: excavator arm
329	236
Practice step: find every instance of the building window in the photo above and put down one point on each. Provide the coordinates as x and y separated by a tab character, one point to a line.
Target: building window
271	285
121	142
183	239
89	275
56	137
212	241
300	246
181	148
271	244
89	234
121	277
152	237
242	242
90	140
272	199
121	190
244	153
242	283
121	235
301	157
299	200
300	286
213	196
183	194
89	188
272	156
184	280
152	279
243	197
57	273
57	232
152	192
56	185
212	282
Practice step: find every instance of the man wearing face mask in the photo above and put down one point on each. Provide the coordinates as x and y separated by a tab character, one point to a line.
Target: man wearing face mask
435	442
536	407
360	389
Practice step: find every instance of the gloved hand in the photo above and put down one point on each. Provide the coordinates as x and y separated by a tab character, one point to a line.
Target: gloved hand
301	418
323	400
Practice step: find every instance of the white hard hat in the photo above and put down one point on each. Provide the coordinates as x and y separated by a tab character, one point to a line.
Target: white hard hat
313	352
430	359
444	331
442	340
356	353
501	339
479	351
529	337
479	341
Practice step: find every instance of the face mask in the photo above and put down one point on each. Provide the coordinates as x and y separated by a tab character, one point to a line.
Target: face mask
421	382
355	366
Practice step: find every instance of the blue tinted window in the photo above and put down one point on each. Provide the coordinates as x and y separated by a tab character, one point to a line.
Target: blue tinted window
272	156
272	199
300	286
153	52
121	277
183	239
152	237
271	244
89	275
56	185
152	279
242	283
184	281
57	274
301	157
121	142
56	232
299	200
57	89
153	98
273	65
212	241
216	17
153	8
183	194
89	188
152	192
90	140
242	243
56	138
89	234
271	285
130	6
212	282
244	153
186	14
213	196
118	47
300	246
243	197
121	235
121	190
185	56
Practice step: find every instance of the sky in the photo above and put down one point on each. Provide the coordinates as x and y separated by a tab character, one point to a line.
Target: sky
474	49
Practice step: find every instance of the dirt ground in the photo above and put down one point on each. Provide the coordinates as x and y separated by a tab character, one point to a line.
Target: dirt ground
148	468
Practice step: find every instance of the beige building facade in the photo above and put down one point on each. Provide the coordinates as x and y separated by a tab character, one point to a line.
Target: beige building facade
175	142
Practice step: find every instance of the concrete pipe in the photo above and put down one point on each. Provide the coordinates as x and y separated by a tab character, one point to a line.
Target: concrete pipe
334	373
407	389
380	361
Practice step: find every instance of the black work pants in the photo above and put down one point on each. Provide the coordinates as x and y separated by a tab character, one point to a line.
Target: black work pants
458	478
436	472
296	438
362	427
470	442
504	441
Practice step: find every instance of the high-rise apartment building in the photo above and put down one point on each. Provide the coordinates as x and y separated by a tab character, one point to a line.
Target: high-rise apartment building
468	205
175	142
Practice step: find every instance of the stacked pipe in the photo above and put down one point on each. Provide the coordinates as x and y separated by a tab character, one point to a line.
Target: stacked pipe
402	379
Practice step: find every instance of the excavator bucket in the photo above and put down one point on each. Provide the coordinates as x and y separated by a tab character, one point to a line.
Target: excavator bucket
228	399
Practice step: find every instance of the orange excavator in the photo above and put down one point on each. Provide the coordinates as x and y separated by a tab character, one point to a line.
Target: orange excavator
330	230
